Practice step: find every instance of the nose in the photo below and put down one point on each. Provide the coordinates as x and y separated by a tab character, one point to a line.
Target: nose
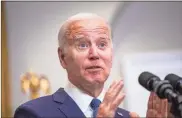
93	53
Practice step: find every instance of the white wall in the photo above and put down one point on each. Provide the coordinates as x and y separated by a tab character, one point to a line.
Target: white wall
148	26
32	38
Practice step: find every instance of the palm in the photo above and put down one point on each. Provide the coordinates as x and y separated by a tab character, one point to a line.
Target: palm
158	108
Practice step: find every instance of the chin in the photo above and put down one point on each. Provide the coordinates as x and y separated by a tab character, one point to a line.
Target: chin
97	79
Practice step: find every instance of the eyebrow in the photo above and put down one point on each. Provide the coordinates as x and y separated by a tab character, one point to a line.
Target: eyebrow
79	36
82	36
103	35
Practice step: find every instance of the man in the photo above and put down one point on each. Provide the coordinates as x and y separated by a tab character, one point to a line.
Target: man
85	51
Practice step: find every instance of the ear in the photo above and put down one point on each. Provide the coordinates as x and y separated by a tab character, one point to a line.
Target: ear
61	57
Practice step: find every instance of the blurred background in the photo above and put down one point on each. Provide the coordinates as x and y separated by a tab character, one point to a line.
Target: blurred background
147	36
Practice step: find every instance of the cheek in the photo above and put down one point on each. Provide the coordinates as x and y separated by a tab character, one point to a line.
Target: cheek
107	58
79	59
108	63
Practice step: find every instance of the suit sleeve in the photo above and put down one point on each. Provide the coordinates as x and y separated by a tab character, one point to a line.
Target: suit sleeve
25	112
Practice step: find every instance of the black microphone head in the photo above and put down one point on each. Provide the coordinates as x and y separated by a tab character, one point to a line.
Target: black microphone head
146	79
173	79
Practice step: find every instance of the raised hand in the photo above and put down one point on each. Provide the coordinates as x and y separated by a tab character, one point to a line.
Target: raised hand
158	108
112	100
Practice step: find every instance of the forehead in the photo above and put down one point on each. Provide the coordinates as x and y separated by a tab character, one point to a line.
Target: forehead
88	27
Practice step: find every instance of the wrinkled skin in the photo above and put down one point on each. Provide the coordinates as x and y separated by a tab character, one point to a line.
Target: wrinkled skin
89	45
88	60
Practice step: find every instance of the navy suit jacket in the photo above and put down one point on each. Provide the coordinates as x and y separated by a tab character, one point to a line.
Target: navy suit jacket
58	105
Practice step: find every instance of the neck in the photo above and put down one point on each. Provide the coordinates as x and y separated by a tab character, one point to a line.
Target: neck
92	90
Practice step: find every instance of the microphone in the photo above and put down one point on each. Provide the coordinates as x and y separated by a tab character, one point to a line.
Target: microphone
175	81
153	83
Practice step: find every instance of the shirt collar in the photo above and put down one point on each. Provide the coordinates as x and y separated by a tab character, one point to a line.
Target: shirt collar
82	99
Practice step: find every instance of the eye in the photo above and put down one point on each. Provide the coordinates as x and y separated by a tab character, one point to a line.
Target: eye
83	45
102	45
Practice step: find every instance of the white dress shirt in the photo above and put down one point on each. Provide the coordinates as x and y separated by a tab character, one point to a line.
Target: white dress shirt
82	99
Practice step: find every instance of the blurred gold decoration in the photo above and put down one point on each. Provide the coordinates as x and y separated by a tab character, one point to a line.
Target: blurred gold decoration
33	84
6	93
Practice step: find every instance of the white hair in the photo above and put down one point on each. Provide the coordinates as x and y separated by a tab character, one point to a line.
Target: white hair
66	24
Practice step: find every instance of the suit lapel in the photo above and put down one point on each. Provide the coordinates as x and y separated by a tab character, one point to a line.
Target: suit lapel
71	110
67	106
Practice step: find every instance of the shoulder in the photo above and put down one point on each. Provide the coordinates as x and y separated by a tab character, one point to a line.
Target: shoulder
43	106
38	103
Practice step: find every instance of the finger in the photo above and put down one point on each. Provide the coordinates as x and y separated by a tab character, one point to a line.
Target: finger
151	113
117	101
134	115
160	116
150	101
155	102
160	105
164	107
118	84
118	88
114	90
155	97
112	85
157	105
109	94
155	113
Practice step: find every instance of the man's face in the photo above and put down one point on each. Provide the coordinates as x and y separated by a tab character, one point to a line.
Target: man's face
88	58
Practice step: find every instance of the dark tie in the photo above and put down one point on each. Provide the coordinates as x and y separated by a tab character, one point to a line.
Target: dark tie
95	105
